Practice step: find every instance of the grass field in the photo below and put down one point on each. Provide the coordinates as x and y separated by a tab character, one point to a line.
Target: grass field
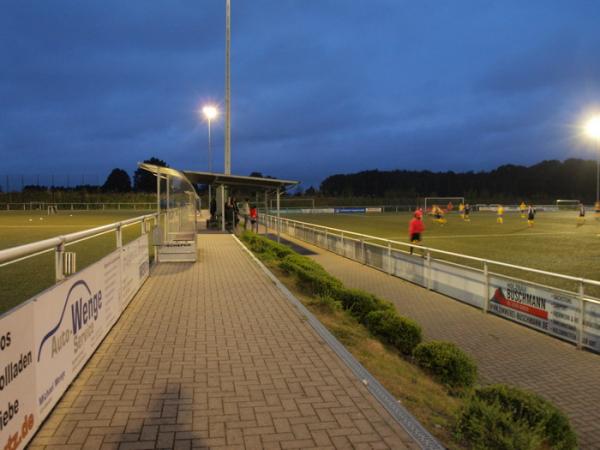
556	243
24	279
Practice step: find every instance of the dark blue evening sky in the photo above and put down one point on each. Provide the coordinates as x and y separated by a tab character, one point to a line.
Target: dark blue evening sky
318	86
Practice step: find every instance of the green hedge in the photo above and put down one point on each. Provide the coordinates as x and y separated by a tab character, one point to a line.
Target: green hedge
402	333
523	420
448	363
265	247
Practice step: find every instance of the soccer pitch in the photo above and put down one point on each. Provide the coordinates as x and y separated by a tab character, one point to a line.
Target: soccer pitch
556	243
24	279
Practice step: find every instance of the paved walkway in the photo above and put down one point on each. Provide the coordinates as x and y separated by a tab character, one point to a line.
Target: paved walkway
213	355
505	352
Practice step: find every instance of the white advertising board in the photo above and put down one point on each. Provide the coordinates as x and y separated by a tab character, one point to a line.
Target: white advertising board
18	408
70	321
458	282
135	268
551	311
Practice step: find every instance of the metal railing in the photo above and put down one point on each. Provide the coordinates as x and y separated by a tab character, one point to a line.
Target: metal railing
58	244
333	239
78	206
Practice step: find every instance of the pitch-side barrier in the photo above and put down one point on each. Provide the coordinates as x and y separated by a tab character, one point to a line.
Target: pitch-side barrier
77	206
571	316
46	341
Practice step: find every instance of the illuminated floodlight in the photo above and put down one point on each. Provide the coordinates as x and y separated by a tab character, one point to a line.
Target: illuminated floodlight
210	112
592	127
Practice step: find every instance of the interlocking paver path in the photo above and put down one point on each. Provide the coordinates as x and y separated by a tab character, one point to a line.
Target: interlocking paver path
505	352
213	355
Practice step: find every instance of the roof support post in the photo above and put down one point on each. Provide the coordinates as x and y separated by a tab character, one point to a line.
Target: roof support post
278	216
222	191
266	211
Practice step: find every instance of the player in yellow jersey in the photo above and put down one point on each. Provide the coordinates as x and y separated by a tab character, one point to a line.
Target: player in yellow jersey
500	214
523	208
438	214
461	210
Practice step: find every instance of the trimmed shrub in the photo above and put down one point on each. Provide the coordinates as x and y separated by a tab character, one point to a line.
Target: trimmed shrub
265	247
402	333
487	426
448	363
311	276
360	303
544	420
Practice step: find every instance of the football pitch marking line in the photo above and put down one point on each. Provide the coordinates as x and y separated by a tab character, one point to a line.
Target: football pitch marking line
453	236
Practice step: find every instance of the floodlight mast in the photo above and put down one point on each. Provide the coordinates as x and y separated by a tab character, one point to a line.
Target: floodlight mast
228	89
592	129
210	112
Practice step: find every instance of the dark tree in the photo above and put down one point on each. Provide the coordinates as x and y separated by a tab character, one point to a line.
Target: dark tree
542	182
310	192
144	181
117	181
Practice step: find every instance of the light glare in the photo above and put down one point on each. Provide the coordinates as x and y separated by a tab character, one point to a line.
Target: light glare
592	128
210	112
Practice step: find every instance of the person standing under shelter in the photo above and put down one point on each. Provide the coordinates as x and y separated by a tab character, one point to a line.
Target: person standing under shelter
213	209
254	218
246	213
415	229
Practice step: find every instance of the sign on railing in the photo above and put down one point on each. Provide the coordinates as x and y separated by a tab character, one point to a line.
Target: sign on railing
571	316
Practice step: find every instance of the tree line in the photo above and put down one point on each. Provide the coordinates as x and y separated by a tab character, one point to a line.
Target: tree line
545	181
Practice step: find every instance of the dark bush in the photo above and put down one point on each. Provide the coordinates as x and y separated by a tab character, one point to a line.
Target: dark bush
311	277
448	363
487	426
541	417
360	303
265	247
400	332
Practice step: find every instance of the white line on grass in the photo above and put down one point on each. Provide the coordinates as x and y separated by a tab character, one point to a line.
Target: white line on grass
452	236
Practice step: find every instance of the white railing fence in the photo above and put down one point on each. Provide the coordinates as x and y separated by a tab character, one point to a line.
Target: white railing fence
49	338
568	314
78	206
59	244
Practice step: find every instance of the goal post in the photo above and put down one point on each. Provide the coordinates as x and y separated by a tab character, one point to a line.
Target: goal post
567	204
443	202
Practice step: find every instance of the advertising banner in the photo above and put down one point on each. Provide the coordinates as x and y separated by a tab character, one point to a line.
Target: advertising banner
553	312
18	408
373	210
591	326
349	210
70	321
135	268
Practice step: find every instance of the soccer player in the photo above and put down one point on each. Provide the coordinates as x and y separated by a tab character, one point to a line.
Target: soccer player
500	214
466	213
581	218
438	213
415	229
530	216
522	207
461	210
